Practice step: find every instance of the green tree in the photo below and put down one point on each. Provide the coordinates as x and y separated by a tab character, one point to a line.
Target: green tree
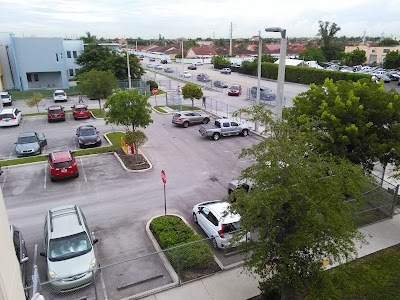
392	60
89	39
388	42
35	100
354	58
297	209
220	62
361	120
192	91
312	53
136	138
327	33
268	58
128	108
97	84
103	59
152	84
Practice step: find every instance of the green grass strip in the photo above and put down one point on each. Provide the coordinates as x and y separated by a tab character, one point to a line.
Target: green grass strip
160	109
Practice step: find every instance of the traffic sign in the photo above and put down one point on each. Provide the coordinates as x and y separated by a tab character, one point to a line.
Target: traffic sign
163	177
154	91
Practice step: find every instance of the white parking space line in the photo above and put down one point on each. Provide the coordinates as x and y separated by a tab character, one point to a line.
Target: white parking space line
101	277
83	169
5	178
9	157
74	141
45	175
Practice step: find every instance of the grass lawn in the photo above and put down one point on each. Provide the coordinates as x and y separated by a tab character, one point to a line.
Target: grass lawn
159	108
115	137
375	276
184	107
96	112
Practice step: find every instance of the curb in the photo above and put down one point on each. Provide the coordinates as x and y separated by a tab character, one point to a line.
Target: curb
162	113
122	163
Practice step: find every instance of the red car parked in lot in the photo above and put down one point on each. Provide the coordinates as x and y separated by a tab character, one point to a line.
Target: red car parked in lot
62	165
55	113
80	111
235	90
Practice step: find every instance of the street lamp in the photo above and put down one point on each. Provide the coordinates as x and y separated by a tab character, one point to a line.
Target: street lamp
129	69
257	124
281	70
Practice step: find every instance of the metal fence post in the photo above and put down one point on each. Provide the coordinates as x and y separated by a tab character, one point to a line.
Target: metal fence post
395	200
94	285
179	266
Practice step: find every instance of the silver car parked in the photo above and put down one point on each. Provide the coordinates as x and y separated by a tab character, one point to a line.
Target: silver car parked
186	118
30	143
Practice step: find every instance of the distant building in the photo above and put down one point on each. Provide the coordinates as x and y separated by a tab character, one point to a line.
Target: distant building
374	54
204	51
73	49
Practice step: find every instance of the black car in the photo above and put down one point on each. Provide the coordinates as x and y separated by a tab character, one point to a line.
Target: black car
192	67
168	70
88	136
163	61
220	84
203	77
265	93
22	256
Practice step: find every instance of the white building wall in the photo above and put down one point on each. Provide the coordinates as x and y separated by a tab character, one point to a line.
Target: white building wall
72	48
10	274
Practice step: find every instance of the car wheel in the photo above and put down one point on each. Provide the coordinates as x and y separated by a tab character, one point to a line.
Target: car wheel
75	118
63	119
245	132
52	179
214	242
206	120
185	124
215	136
76	175
195	218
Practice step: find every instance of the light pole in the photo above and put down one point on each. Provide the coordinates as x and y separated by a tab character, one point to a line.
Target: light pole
257	124
281	70
129	68
183	68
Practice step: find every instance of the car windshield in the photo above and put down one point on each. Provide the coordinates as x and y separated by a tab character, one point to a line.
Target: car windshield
87	131
26	140
4	96
232	227
235	88
59	94
54	111
80	108
63	164
177	115
69	247
6	116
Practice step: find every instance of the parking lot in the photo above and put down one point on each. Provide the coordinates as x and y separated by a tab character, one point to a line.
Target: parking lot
118	204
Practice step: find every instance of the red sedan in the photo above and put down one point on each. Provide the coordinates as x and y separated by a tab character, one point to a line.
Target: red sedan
235	90
80	111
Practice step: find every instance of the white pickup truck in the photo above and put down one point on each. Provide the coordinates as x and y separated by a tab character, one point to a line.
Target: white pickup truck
223	127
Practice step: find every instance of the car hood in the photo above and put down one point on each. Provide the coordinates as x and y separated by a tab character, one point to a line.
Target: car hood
26	147
73	266
88	138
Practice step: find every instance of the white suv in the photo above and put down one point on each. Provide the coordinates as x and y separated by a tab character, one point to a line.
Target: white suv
6	98
217	223
68	248
59	95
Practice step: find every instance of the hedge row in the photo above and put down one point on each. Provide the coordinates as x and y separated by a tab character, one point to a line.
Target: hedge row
304	75
170	232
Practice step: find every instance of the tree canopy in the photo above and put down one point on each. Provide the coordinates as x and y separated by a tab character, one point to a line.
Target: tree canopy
297	208
192	91
128	108
392	60
103	59
312	53
327	33
97	84
354	58
388	42
361	119
35	100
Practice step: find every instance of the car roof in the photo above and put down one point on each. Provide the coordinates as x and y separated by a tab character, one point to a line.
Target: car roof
59	91
4	93
80	105
65	221
218	208
7	110
55	107
61	156
24	134
86	126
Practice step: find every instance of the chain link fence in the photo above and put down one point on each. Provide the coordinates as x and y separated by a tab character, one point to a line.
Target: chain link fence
135	277
138	84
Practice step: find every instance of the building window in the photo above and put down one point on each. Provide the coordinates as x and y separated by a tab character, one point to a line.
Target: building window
69	54
61	56
386	50
29	77
36	76
57	57
71	72
373	50
75	54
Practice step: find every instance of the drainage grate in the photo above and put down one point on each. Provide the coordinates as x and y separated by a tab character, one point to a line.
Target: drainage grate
214	179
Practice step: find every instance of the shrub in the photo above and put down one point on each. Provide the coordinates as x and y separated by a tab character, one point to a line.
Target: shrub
152	84
171	231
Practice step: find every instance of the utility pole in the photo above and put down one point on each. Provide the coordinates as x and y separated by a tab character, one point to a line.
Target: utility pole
129	69
230	43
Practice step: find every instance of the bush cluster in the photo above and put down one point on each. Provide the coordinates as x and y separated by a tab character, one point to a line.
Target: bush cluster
152	84
170	232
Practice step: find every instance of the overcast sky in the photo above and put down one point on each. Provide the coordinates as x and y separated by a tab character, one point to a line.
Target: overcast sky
196	18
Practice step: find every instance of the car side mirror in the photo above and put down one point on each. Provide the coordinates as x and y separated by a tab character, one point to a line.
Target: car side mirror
42	254
25	259
95	241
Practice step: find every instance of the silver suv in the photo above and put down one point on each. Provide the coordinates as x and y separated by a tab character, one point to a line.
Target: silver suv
186	118
68	248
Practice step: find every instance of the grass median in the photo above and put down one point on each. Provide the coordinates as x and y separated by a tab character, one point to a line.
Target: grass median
114	137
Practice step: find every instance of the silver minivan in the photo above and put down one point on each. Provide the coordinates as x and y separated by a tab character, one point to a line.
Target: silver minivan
186	118
68	248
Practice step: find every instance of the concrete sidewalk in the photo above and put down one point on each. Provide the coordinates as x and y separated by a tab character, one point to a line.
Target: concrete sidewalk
234	284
